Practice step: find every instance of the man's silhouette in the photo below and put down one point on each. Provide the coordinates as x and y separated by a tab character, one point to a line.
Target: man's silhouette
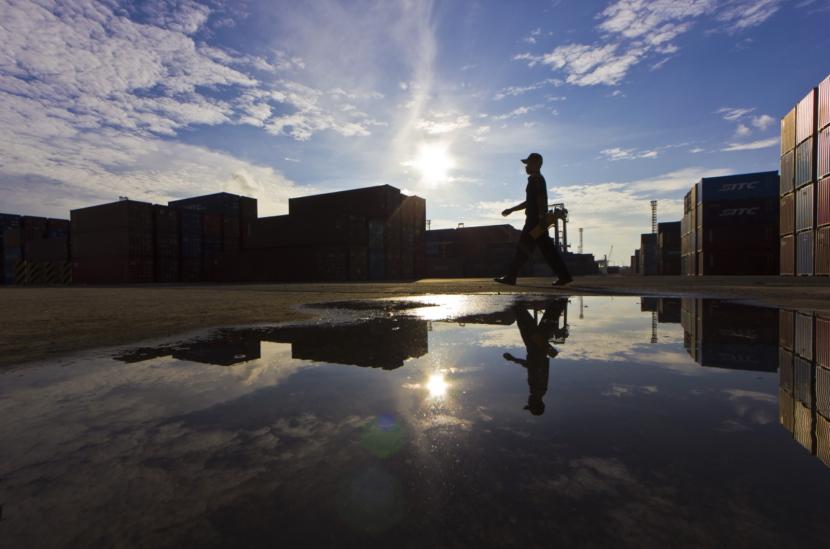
539	350
535	207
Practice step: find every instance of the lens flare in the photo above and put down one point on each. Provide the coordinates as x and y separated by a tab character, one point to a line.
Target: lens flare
437	386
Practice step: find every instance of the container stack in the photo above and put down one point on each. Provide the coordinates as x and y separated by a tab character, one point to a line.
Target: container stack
113	243
648	254
822	263
166	244
787	194
805	189
8	261
688	237
668	248
737	220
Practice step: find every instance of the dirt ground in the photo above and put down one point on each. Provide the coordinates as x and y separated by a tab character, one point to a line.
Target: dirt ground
41	323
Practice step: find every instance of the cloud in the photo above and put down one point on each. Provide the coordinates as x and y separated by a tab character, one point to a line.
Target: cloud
734	113
763	122
531	38
518	111
752	145
512	91
443	124
617	153
633	30
742	131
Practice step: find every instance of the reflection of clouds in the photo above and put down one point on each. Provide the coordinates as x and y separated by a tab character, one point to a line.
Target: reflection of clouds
622	390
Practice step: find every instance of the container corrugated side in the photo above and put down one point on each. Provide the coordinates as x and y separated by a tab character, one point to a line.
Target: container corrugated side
786	410
823	202
803	426
785	369
805	119
786	329
788	131
786	182
803	380
804	335
804	163
823	391
822	251
786	215
804	253
823	153
804	200
822	429
824	103
822	351
787	255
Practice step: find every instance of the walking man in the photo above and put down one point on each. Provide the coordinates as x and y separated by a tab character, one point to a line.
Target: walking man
535	207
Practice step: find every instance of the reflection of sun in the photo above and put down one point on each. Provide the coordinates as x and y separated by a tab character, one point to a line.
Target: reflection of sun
437	386
433	162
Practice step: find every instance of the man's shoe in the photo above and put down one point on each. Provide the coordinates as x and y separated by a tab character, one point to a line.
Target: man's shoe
563	281
509	280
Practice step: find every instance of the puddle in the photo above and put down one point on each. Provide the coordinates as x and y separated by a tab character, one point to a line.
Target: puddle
436	421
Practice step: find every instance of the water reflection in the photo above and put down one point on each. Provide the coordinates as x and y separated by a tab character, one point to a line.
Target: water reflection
661	428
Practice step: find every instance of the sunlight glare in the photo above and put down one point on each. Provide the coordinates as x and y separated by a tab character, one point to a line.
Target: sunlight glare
433	162
437	386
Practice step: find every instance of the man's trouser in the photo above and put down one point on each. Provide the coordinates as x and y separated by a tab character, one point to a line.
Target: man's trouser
525	247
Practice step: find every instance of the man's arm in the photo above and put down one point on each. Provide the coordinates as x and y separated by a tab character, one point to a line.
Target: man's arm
515	208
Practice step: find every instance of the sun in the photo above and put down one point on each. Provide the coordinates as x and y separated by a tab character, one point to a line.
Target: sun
433	162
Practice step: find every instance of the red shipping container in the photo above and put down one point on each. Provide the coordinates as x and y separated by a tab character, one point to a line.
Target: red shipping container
805	118
788	132
804	200
787	178
787	255
786	223
824	103
823	251
823	153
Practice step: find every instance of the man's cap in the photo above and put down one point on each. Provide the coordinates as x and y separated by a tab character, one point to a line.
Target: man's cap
532	157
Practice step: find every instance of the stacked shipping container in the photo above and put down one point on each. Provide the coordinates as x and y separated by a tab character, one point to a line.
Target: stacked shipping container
668	248
688	236
805	185
35	250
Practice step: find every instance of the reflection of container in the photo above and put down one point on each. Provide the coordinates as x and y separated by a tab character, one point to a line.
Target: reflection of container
823	391
786	411
803	426
802	380
822	342
823	439
786	329
804	253
804	335
787	257
785	370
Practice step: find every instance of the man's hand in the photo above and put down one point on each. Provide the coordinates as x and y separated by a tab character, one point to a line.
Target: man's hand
506	212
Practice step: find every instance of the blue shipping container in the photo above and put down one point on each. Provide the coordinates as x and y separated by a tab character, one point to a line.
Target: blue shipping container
739	187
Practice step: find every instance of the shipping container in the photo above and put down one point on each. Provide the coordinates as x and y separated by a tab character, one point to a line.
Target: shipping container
822	351
804	203
823	202
785	370
823	153
804	253
788	132
786	329
786	215
804	335
787	178
47	249
763	211
822	251
739	187
824	103
787	255
823	391
822	429
803	380
737	262
786	410
804	173
167	241
739	238
803	426
805	119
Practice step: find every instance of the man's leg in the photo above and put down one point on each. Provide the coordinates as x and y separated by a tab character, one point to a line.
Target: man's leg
523	250
553	258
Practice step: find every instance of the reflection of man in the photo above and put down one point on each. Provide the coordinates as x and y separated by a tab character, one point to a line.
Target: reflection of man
539	350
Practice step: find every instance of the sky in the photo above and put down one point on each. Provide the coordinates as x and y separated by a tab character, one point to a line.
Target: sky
627	101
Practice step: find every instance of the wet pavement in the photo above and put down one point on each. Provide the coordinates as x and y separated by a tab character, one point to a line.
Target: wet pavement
442	421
